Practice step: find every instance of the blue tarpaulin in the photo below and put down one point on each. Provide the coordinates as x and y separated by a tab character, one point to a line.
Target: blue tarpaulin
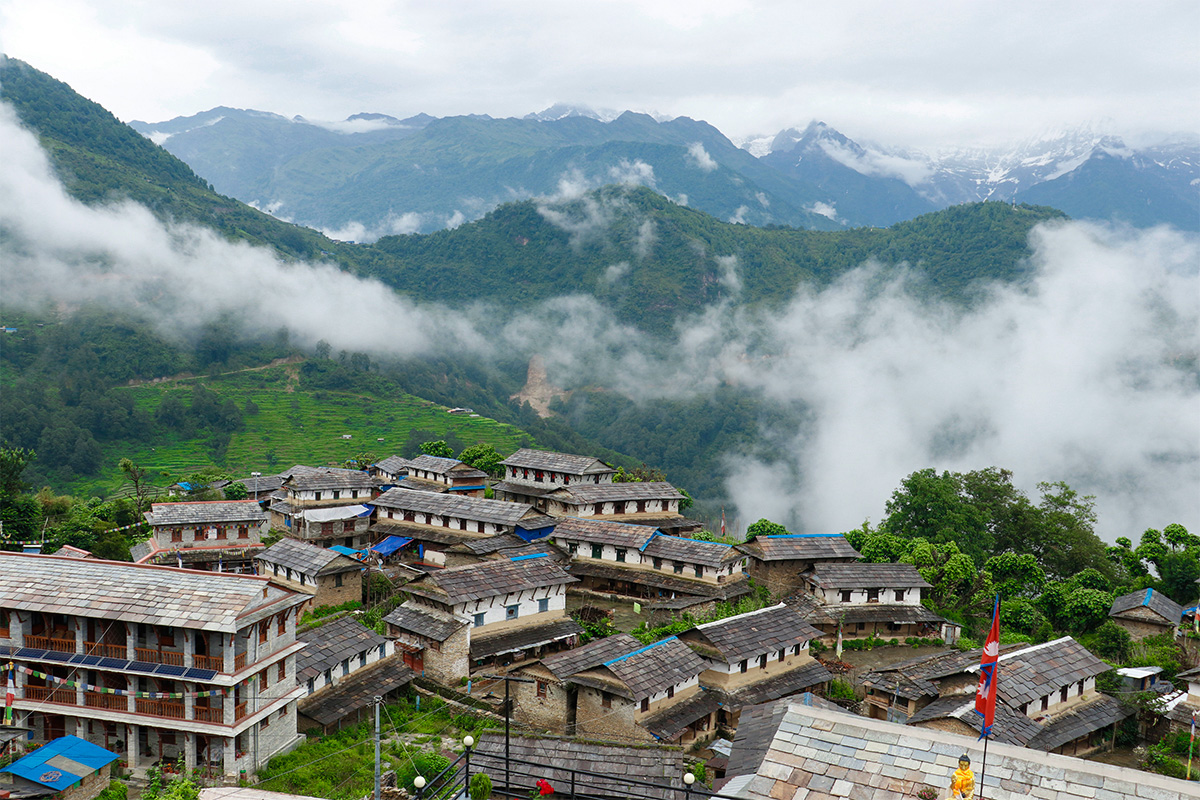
390	545
347	551
62	762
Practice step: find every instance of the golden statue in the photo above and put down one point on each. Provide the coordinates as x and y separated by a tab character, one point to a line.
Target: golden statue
962	785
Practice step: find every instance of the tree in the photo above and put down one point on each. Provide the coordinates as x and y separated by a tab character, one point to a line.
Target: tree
1112	642
13	461
482	456
764	527
937	508
1084	609
642	474
438	448
1016	575
236	491
323	349
137	476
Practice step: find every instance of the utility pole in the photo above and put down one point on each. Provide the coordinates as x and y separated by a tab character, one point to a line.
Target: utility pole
507	713
378	703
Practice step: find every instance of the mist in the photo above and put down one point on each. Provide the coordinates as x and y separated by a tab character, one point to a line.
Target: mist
1087	373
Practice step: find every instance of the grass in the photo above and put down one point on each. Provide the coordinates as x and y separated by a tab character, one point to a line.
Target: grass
292	426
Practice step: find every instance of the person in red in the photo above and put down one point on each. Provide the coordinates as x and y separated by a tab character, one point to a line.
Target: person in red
544	787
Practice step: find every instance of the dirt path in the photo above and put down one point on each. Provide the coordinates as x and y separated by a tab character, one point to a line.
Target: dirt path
293	373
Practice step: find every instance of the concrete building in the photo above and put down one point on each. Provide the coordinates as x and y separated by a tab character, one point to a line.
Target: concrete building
328	576
303	489
778	562
654	503
530	475
432	523
1147	613
156	663
434	474
485	615
218	535
389	472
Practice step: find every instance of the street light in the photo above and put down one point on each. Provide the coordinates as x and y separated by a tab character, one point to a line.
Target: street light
688	780
419	785
468	742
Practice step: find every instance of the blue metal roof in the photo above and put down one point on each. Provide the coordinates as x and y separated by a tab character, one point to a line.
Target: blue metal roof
62	762
527	557
346	551
390	545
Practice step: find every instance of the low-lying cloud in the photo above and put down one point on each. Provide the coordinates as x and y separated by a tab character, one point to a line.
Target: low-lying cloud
1087	373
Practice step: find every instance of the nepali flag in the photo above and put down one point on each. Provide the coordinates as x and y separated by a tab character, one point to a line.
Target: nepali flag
985	695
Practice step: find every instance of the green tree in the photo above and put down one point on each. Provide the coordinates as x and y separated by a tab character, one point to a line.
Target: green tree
764	527
235	491
13	461
483	456
437	448
137	476
1084	609
1112	642
936	508
1016	575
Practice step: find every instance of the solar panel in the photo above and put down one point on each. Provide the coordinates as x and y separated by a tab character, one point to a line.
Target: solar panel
169	669
54	655
90	661
141	666
29	652
200	674
114	663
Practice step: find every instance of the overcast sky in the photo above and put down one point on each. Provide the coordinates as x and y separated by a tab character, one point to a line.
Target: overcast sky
917	73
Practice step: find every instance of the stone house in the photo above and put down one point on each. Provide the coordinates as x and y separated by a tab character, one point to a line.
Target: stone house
219	535
654	503
502	546
68	768
390	471
485	615
303	488
344	665
1146	612
1049	698
778	562
330	577
435	474
432	523
90	639
863	600
334	526
530	475
755	658
642	562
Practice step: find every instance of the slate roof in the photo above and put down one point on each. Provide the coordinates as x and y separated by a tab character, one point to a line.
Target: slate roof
887	761
601	771
355	691
463	584
902	614
1080	721
426	622
307	558
460	506
788	683
569	662
521	638
522	489
598	531
756	728
421	485
914	679
669	722
200	513
867	576
745	635
660	579
1034	672
422	533
609	492
392	464
445	466
549	461
333	643
311	478
801	547
1009	726
261	483
651	669
1157	602
215	601
691	551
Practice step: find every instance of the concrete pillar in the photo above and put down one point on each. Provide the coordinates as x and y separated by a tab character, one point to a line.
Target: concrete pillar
130	688
132	757
130	641
189	702
80	627
189	751
228	755
189	646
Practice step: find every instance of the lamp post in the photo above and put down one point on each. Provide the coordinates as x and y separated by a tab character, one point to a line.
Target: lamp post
468	743
419	785
507	714
688	780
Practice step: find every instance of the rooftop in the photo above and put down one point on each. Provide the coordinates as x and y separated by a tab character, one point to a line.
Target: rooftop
199	513
867	576
765	630
463	584
426	622
691	551
444	466
567	663
310	479
333	643
452	505
652	668
802	547
1033	672
557	462
115	590
306	558
599	531
61	763
610	492
1157	602
392	464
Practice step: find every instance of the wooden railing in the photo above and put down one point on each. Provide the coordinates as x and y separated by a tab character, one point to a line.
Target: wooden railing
159	656
46	643
113	702
50	694
239	711
160	708
239	661
209	662
104	649
207	714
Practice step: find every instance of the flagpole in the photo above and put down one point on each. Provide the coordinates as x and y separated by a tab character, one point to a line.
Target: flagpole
982	767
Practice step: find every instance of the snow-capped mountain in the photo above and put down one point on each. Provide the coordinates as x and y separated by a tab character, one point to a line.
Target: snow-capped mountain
563	110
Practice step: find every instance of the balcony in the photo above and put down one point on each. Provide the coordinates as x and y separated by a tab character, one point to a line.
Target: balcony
216	663
159	656
239	711
48	643
113	702
160	708
50	694
207	714
239	661
104	649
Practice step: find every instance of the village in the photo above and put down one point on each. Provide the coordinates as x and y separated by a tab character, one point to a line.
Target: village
788	666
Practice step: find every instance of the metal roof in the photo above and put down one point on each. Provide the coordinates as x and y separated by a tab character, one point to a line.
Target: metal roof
61	763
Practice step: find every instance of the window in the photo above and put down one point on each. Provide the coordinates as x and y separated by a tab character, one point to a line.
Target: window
645	704
678	568
1062	695
362	659
348	526
742	667
479	620
1080	692
264	680
176	535
337	494
198	535
796	650
541	688
337	579
1045	702
262	632
512	612
845	595
862	626
605	700
243	532
782	654
762	661
266	723
326	528
354	494
283	712
658	563
872	595
316	495
597	551
282	671
345	667
670	692
899	595
543	605
221	532
281	625
699	571
312	685
621	554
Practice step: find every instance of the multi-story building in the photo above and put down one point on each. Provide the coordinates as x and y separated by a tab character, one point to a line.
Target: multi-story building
435	474
157	663
219	535
389	471
486	614
649	503
529	475
778	562
324	505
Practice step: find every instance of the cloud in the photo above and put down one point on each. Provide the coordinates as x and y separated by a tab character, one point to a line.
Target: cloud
646	236
615	272
914	172
727	274
739	217
633	173
826	210
392	225
701	157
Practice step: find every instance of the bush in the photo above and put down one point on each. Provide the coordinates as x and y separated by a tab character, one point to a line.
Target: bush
840	690
481	786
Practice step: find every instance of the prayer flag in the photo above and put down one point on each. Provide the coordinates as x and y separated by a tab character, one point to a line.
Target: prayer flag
10	695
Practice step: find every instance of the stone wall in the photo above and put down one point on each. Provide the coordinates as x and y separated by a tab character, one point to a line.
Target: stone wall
330	594
780	577
552	712
451	664
616	723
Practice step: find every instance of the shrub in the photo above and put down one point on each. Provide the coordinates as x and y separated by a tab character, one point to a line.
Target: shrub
481	786
840	690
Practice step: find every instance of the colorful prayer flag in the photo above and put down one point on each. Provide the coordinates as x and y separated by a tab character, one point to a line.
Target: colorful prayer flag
985	695
10	695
